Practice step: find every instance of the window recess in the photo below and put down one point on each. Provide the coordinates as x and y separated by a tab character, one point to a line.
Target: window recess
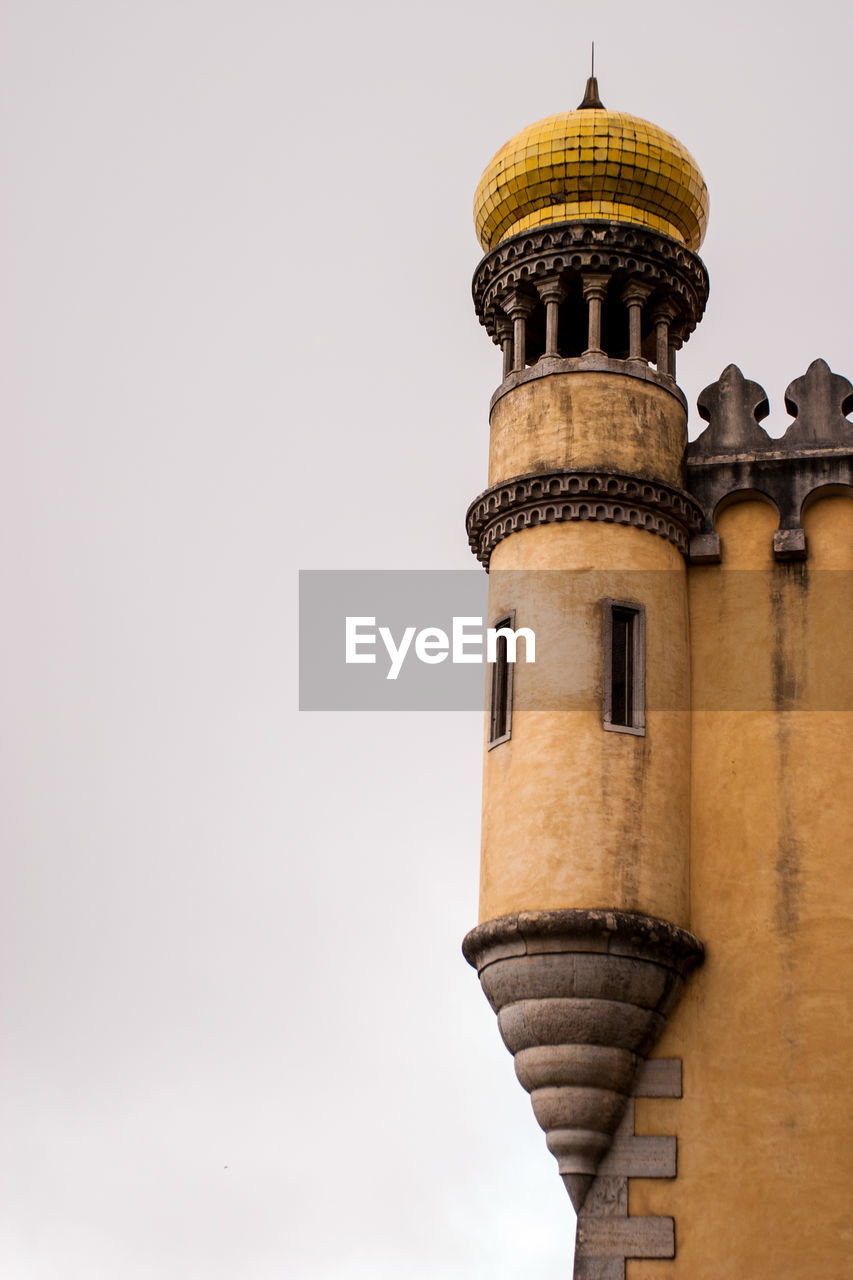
500	697
624	667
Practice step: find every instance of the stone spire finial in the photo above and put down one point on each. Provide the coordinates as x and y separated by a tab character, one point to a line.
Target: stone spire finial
590	97
733	406
819	403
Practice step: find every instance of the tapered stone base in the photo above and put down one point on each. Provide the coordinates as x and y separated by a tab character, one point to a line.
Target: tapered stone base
581	997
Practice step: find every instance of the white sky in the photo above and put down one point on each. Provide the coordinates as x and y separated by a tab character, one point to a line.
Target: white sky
239	1040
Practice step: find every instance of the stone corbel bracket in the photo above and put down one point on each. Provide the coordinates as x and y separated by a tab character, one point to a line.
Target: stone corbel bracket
582	997
736	455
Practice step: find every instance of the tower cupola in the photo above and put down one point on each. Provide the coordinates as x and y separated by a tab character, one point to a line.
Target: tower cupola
590	221
592	163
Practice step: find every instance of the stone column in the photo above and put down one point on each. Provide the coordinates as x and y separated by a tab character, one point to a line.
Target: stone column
662	317
518	307
676	342
552	293
504	332
635	296
594	291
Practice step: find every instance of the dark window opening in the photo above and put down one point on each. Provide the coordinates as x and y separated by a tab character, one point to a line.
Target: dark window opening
624	667
573	326
500	704
614	328
535	338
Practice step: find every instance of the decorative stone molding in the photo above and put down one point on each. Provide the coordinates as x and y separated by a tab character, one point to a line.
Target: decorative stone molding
622	253
581	999
819	402
734	454
545	498
607	1236
547	365
733	406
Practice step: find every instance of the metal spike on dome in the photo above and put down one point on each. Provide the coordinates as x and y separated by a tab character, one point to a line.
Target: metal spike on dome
590	98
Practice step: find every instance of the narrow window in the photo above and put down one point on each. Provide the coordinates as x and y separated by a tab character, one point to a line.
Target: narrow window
624	667
500	702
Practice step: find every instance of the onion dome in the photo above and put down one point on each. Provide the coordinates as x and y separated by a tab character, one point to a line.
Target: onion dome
592	164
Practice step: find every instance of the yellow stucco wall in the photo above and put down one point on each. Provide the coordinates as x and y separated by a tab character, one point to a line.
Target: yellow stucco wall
765	1031
732	819
595	420
574	816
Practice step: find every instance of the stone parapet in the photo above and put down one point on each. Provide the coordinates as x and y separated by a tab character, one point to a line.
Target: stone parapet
735	457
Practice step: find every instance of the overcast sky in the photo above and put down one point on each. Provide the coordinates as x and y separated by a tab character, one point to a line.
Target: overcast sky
239	1040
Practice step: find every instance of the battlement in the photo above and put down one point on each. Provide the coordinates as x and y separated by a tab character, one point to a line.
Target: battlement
734	456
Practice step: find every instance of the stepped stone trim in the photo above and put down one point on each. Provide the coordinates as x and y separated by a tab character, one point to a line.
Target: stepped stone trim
607	1235
556	496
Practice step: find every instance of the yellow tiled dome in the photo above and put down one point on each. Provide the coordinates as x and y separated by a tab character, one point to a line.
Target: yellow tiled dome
592	163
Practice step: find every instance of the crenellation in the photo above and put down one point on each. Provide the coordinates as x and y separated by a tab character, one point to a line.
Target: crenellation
734	455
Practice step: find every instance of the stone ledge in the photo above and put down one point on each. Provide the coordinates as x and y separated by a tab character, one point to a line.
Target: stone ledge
548	366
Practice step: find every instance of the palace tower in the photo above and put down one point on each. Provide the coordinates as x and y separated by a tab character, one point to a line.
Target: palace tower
666	898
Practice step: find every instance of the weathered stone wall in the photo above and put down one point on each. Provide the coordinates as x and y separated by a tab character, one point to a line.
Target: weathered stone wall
597	420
